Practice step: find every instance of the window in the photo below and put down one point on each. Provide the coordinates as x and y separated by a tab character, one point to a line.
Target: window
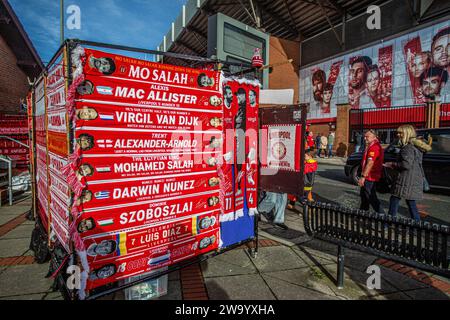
441	144
242	44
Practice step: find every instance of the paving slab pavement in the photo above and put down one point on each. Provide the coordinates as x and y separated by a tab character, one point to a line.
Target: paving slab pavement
305	278
14	247
284	290
235	262
294	267
426	294
277	258
25	280
241	287
21	232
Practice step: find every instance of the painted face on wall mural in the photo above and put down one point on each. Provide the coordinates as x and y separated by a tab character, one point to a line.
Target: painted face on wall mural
431	86
373	82
327	94
357	75
419	64
441	51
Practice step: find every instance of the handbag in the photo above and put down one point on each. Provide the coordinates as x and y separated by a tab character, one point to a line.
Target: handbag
384	185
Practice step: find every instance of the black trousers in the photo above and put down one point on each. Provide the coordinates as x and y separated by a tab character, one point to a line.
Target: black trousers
369	197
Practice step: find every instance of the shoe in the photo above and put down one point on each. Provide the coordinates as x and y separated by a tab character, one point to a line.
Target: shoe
282	226
267	216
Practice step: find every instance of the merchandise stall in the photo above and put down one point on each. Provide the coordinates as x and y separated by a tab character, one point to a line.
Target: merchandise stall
141	168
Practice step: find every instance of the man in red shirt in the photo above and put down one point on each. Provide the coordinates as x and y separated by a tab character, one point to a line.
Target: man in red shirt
371	172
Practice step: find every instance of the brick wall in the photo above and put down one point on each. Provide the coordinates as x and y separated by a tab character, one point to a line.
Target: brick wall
13	81
284	76
343	148
320	128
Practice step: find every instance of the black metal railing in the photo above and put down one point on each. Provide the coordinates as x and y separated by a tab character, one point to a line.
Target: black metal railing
420	245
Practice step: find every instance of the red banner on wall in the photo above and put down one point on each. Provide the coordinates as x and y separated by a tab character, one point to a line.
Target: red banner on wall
111	218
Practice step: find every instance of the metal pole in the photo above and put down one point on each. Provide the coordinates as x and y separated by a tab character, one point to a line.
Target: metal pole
62	22
340	267
10	183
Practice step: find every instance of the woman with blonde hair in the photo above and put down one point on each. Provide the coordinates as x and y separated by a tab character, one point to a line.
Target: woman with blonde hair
410	179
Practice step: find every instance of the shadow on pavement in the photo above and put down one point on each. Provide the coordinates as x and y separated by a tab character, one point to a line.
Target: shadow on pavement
335	174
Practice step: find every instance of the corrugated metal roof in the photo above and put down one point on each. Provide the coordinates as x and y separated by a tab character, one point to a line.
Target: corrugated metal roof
287	19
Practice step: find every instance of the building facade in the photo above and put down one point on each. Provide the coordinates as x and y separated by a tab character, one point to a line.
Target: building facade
352	75
19	61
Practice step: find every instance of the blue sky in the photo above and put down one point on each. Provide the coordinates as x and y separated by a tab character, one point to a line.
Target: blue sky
138	23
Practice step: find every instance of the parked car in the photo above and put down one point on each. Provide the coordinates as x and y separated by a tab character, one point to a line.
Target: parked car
436	163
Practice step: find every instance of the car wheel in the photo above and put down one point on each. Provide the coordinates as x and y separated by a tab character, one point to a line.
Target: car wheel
355	174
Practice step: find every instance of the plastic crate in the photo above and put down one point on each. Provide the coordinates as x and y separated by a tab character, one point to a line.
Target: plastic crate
147	290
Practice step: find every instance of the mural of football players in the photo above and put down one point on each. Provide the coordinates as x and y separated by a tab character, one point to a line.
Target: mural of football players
440	48
85	88
418	63
103	65
318	82
325	106
431	83
103	248
373	81
87	113
228	96
240	127
359	67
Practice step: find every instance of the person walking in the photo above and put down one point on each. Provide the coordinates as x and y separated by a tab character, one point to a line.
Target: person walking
409	183
318	144
309	141
330	144
276	203
323	145
372	168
